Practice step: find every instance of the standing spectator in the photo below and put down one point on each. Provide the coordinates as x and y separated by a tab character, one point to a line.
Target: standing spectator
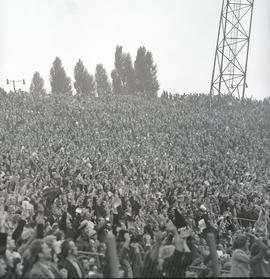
40	256
69	260
259	267
240	259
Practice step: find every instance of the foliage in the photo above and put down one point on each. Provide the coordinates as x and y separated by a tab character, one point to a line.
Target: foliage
37	85
102	82
146	73
84	82
60	83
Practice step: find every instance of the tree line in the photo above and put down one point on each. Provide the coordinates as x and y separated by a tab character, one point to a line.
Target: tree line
127	78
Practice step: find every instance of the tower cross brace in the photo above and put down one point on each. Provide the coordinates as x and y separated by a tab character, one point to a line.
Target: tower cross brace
232	48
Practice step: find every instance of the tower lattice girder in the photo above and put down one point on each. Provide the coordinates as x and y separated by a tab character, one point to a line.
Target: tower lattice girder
231	55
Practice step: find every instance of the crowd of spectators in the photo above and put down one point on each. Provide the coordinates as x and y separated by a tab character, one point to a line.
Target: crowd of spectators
159	175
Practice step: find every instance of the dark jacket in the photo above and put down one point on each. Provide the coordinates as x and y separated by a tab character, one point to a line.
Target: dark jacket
176	265
69	232
19	229
150	269
83	244
72	272
3	243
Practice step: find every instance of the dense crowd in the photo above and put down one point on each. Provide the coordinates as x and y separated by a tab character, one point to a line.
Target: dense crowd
159	175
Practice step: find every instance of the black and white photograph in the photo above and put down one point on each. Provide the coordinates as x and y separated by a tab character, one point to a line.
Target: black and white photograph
134	139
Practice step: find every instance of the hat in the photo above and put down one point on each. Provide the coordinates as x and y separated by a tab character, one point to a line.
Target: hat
110	194
86	223
206	183
203	208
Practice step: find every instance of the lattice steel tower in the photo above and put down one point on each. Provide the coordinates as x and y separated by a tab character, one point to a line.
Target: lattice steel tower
231	56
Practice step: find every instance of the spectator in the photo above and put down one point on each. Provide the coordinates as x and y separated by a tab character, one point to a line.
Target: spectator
240	259
259	267
41	257
69	260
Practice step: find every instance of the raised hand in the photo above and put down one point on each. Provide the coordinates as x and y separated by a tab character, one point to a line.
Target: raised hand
40	218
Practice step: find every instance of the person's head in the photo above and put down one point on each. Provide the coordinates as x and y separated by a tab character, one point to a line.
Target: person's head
3	266
240	242
50	240
132	230
102	248
60	235
196	238
40	250
26	234
255	249
220	247
18	266
92	263
101	220
55	228
69	248
86	264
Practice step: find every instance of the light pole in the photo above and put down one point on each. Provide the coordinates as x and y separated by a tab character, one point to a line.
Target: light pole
14	81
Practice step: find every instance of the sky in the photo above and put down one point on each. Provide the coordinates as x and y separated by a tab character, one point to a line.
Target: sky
180	34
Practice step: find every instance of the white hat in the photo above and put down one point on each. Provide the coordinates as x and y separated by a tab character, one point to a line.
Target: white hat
202	207
110	194
87	223
206	183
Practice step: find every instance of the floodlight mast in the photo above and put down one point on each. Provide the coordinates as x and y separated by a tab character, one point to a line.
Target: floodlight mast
232	48
14	81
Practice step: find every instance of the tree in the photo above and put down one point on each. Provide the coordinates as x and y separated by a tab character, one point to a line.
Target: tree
84	82
2	91
60	83
129	76
102	82
119	67
146	73
126	80
140	69
37	85
116	83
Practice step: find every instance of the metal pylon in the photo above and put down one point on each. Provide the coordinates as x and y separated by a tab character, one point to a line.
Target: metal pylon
231	56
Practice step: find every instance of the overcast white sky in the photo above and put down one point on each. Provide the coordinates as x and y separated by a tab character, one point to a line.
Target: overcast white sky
181	34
